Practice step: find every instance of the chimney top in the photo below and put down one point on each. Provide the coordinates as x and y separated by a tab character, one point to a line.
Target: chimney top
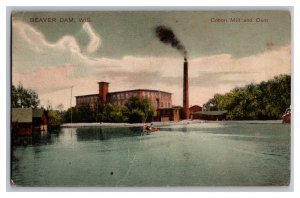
103	82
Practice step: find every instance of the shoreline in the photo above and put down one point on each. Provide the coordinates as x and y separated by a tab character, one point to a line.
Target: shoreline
182	122
107	124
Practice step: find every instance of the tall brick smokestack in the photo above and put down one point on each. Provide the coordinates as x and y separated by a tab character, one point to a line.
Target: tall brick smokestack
167	36
103	91
186	111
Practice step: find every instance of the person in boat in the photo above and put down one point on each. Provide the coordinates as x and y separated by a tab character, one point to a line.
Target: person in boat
150	129
146	127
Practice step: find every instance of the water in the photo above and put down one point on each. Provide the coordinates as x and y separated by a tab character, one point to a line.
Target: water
206	154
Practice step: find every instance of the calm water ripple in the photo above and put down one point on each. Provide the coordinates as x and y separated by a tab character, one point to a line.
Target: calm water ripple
204	154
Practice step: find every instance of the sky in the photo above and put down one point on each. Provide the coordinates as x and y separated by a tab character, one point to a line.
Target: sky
53	51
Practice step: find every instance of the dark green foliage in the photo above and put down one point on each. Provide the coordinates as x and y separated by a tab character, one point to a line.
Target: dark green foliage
135	111
80	114
136	116
110	113
264	101
55	116
23	98
139	110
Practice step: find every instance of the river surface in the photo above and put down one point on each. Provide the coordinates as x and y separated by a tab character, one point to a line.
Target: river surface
203	154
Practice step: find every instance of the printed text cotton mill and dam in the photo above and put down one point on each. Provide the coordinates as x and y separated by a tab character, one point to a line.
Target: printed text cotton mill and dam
239	20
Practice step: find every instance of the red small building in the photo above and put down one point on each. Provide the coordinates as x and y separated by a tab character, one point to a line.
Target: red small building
211	115
168	114
25	121
39	120
193	110
21	121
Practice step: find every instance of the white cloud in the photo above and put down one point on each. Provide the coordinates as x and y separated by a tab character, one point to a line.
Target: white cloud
31	49
95	40
37	42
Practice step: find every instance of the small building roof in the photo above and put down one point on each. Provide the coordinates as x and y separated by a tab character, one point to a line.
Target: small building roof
195	106
177	107
216	113
37	113
92	95
164	108
21	115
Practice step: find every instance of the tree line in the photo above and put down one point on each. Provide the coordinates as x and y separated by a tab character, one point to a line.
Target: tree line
264	101
136	110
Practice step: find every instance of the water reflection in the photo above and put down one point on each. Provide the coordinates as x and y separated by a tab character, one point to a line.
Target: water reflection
105	133
180	155
35	139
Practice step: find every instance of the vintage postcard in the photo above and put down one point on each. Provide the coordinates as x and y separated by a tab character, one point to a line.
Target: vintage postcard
151	98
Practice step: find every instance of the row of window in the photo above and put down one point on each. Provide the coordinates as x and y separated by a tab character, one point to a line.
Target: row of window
150	94
92	99
119	103
146	94
154	104
162	104
123	95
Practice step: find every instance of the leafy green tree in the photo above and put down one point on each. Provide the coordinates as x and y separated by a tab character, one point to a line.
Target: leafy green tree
136	116
55	116
111	113
54	119
134	111
267	100
23	98
80	114
139	110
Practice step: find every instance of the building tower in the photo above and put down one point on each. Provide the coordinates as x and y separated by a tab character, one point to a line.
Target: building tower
103	92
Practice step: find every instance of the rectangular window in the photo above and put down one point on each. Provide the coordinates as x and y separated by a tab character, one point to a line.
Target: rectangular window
154	104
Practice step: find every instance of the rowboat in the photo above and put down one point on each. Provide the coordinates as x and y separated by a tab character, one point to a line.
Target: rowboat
149	129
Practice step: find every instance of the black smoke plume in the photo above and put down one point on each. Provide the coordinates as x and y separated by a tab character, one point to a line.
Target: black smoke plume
167	36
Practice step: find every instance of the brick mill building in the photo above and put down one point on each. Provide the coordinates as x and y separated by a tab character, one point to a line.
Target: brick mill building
160	100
